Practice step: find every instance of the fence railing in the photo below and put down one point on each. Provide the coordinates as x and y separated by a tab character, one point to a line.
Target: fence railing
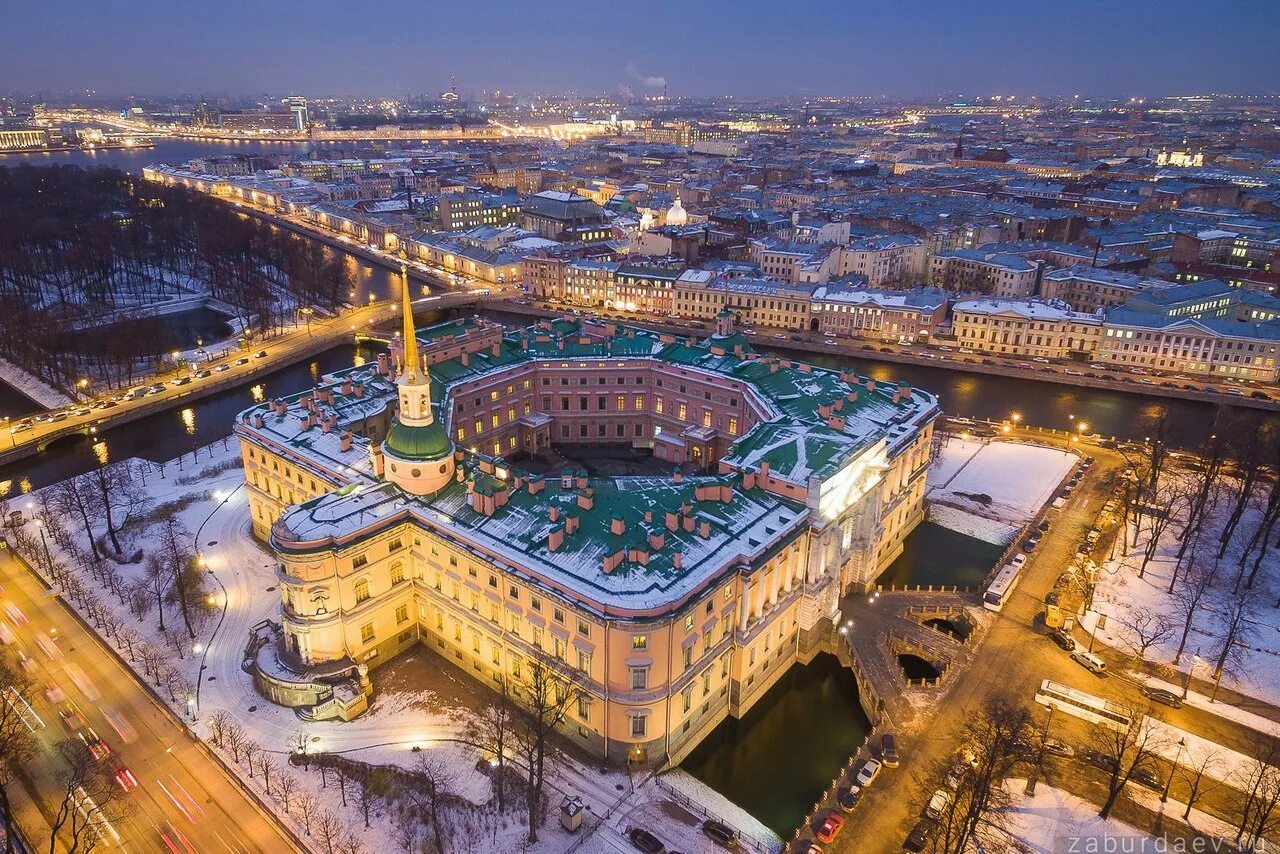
745	840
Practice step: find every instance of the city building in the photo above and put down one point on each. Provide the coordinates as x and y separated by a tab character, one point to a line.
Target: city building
1026	328
1224	349
905	317
397	503
892	259
980	271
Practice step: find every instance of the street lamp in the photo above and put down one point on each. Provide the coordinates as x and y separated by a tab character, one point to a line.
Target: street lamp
1164	796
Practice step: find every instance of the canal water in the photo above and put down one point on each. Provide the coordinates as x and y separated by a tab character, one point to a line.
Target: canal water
932	554
778	759
166	435
178	331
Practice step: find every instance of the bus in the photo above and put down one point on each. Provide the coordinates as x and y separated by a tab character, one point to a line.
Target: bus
1085	706
1001	588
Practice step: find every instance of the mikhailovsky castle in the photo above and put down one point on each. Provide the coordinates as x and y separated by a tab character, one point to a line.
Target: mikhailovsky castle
394	498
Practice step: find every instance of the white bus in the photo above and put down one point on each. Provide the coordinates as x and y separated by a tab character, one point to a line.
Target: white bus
1001	587
1081	705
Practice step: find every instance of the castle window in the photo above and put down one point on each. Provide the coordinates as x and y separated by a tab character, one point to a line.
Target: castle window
362	590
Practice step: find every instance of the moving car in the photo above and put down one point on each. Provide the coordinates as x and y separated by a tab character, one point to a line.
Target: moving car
223	367
831	827
243	360
97	747
1160	695
261	354
645	841
125	779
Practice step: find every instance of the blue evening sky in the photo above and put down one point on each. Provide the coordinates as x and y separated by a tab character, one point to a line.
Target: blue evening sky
740	47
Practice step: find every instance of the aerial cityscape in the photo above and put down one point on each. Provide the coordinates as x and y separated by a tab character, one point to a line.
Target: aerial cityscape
673	429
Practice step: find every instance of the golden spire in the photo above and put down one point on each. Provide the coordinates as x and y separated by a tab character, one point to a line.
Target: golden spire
411	364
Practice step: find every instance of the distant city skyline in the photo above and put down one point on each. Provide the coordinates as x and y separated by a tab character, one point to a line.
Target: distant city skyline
745	48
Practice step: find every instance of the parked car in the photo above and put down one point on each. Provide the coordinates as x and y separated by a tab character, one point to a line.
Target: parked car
1058	748
888	750
720	834
867	773
1029	545
938	803
1062	639
645	841
1044	526
1018	561
1089	662
830	828
1147	777
1099	760
848	798
1160	695
920	836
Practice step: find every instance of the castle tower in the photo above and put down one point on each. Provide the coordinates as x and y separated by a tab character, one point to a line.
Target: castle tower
418	452
724	323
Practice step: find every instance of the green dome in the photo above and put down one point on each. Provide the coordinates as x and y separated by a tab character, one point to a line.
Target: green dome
417	443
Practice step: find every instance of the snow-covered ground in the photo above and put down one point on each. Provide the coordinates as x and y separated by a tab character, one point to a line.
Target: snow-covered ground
32	386
990	489
208	499
1047	822
1133	605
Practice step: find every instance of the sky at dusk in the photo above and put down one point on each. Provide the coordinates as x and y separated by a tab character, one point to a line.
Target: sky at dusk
738	47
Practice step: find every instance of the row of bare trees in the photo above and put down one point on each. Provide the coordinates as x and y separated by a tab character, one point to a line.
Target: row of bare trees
1002	743
77	245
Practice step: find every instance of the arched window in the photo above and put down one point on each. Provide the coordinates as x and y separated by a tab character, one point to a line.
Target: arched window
362	590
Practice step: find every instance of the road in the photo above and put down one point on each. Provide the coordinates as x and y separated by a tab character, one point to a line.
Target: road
182	792
1013	659
28	436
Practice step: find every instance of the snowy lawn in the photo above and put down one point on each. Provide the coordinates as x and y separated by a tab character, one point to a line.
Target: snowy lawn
990	489
1046	822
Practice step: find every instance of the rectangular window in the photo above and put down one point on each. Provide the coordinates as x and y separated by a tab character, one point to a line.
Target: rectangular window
638	726
366	633
584	661
639	678
402	614
639	641
359	561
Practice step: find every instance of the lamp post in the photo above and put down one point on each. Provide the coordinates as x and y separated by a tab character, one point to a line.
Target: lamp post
1186	683
1164	796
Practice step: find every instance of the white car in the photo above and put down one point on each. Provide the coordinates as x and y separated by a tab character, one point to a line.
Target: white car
867	773
1018	561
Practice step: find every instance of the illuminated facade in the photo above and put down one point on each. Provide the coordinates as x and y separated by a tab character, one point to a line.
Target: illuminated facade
672	601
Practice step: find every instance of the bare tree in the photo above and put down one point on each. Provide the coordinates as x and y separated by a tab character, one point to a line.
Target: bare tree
996	743
329	828
1189	599
157	580
433	784
119	496
1127	749
235	739
286	789
17	739
1258	815
1238	624
306	808
1203	774
1147	628
491	732
547	696
85	789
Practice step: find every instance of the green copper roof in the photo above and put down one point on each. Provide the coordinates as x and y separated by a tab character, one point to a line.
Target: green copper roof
418	443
